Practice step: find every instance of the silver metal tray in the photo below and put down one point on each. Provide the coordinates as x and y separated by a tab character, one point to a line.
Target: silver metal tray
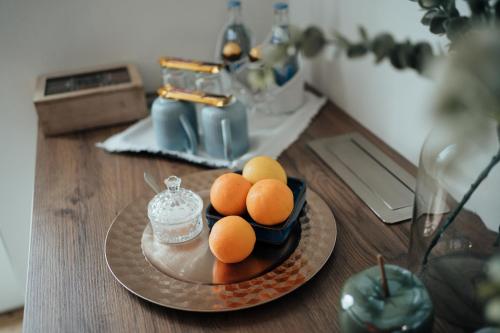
381	183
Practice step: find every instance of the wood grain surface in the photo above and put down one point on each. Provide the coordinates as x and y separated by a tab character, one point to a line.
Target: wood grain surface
12	321
79	189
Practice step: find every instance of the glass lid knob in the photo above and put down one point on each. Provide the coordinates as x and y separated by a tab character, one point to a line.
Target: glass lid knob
173	183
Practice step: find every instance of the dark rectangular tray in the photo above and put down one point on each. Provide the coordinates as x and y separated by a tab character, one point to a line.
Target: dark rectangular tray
276	234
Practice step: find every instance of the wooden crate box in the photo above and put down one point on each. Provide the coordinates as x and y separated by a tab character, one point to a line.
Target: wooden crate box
88	98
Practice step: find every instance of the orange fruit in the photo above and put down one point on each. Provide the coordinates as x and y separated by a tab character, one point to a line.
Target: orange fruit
228	194
263	167
269	202
231	239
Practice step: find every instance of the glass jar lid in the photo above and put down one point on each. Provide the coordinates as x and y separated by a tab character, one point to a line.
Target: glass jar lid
175	204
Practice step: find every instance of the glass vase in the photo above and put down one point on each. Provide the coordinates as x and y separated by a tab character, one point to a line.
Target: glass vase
458	153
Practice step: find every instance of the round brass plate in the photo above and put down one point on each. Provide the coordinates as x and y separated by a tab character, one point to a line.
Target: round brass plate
129	266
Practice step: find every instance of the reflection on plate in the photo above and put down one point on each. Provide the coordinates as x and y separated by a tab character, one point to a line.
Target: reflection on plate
189	284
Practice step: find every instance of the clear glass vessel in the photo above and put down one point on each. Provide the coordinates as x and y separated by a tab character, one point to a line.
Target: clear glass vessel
280	34
450	261
211	83
175	214
178	78
235	31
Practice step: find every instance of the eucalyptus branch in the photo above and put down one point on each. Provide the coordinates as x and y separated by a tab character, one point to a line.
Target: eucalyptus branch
449	220
401	55
443	17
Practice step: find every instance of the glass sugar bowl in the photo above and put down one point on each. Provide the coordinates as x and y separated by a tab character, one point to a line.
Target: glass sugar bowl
175	214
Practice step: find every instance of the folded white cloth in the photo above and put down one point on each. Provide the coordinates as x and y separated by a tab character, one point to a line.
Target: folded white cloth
269	135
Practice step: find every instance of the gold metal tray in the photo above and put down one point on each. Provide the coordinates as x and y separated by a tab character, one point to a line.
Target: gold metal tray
181	283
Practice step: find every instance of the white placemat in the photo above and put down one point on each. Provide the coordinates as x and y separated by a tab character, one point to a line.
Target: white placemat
269	135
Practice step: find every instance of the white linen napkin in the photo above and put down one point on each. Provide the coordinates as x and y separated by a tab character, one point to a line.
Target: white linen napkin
269	135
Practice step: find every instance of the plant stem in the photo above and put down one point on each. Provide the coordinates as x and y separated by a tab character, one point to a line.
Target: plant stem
449	220
383	277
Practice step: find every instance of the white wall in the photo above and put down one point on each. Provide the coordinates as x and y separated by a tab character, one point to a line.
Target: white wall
395	105
40	36
11	291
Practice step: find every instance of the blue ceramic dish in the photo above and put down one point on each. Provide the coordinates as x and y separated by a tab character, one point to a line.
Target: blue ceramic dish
276	234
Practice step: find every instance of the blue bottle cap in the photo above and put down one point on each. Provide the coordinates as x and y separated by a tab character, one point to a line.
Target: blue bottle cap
233	4
280	5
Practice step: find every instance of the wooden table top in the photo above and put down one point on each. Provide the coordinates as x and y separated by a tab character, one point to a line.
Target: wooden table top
79	189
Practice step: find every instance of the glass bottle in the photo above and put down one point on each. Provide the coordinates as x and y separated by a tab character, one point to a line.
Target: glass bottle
235	30
280	35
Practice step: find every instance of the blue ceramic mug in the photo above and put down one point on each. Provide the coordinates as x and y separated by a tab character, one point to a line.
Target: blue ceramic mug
175	125
225	130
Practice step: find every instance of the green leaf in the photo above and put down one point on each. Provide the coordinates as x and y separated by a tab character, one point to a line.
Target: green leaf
313	42
496	7
432	13
451	8
356	50
437	25
395	56
455	27
453	13
421	55
478	7
406	53
381	46
401	55
428	4
363	33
